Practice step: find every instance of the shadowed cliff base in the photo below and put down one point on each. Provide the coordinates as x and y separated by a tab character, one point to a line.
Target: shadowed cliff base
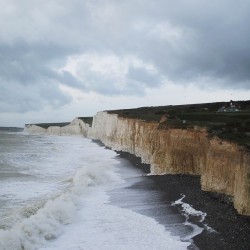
223	227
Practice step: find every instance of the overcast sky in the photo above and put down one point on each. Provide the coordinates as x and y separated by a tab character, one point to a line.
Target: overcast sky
61	59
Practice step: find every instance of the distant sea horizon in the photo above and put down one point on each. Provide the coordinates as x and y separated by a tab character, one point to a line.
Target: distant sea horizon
11	129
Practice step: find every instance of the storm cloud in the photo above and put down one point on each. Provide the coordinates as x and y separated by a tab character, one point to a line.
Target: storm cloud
118	48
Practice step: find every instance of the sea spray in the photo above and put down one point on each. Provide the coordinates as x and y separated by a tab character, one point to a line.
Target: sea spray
47	223
63	202
45	178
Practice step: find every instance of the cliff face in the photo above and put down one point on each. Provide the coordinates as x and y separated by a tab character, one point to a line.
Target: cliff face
33	129
76	127
223	166
168	151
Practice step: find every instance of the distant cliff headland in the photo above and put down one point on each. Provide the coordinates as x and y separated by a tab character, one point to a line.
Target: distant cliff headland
211	140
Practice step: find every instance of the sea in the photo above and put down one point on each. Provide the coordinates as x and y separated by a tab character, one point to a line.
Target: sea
70	193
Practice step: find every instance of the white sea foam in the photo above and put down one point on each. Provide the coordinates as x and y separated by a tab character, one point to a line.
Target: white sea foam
59	170
46	224
190	211
63	203
103	226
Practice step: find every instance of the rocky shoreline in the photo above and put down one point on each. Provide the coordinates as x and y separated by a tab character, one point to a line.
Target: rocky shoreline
223	227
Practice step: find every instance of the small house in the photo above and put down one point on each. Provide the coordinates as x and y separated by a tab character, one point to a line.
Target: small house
233	107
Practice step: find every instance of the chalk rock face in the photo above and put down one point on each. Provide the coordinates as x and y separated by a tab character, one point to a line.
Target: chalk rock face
223	166
33	129
76	127
123	134
168	151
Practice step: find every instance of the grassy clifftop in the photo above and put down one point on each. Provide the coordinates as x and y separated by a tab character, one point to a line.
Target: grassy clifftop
87	120
46	125
229	125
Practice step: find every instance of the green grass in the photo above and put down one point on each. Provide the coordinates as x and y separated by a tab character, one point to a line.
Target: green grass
46	125
88	120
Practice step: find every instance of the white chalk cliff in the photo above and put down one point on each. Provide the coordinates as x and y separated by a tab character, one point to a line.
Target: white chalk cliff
76	127
223	166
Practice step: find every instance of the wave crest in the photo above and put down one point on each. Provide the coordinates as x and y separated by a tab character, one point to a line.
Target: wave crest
47	223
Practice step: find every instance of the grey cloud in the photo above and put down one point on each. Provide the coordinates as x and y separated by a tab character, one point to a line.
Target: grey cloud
107	84
27	80
201	39
143	77
109	74
19	98
215	42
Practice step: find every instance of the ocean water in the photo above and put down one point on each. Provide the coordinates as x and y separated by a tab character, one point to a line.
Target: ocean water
55	193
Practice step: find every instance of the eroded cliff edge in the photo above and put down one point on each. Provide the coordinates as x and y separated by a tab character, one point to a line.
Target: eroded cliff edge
223	166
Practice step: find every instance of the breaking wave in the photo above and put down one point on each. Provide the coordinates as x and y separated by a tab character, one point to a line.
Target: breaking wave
46	222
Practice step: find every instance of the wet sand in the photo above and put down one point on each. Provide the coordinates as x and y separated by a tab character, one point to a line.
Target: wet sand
223	228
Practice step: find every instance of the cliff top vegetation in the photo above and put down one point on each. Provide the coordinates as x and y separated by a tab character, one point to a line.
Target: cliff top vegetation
228	120
87	120
46	125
